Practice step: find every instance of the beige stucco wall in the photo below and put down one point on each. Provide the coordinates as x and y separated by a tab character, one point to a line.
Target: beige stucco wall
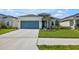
71	24
15	23
65	23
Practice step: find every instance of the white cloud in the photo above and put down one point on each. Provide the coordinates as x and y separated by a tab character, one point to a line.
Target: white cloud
61	13
18	12
37	11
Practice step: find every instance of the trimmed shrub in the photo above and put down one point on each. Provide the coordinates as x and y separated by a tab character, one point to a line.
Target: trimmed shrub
57	23
77	28
64	27
10	27
3	26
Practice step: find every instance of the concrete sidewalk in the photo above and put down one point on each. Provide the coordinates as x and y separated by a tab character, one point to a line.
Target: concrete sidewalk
58	41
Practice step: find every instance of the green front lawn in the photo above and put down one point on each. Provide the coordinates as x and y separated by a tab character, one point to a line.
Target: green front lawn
65	33
58	47
2	31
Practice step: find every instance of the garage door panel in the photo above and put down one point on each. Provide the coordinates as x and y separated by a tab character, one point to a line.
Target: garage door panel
29	24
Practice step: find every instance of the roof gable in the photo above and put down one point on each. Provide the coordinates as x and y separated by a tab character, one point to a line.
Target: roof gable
70	17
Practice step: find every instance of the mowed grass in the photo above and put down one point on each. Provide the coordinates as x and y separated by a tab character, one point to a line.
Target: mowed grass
58	47
59	34
2	31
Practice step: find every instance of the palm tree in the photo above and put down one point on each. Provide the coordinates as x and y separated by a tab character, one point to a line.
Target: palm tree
46	17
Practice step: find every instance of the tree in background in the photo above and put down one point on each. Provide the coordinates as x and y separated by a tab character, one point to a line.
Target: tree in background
46	16
57	25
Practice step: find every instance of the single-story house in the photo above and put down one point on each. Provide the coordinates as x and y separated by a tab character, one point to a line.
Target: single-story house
70	21
9	20
35	22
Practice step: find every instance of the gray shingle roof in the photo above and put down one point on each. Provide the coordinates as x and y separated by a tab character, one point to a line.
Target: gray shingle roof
30	15
68	17
11	16
71	15
5	16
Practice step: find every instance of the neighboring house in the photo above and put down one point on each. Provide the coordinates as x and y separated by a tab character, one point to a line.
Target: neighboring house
71	21
35	22
9	20
2	17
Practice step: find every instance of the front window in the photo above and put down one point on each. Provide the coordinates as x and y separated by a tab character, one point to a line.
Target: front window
8	23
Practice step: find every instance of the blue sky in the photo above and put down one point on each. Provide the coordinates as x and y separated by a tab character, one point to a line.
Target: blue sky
59	13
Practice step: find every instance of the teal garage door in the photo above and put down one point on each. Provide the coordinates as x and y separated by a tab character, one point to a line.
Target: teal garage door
29	24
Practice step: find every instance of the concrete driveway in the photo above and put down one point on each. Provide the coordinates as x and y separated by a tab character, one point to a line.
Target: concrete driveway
22	39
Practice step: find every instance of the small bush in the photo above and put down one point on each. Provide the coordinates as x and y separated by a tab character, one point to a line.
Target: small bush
77	28
57	23
10	27
3	26
64	27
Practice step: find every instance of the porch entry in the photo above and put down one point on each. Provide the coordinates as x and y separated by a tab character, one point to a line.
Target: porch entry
47	24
